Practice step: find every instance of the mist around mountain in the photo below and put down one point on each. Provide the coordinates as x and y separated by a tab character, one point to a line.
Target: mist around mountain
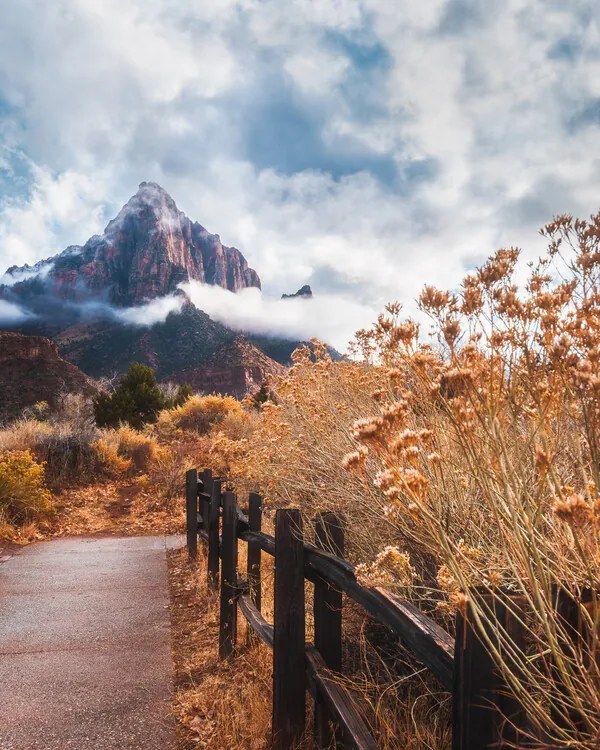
135	293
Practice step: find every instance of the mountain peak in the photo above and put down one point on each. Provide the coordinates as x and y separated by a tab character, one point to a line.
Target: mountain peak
150	199
153	195
305	292
146	251
150	186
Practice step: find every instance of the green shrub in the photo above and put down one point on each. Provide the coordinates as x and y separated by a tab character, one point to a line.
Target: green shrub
137	400
23	494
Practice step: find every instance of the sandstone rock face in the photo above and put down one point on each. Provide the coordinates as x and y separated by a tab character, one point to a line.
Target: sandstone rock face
31	370
144	253
14	346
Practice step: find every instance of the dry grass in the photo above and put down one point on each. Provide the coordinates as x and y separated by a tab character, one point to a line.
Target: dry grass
139	448
218	705
198	414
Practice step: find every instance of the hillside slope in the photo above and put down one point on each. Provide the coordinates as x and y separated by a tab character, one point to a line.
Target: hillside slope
31	370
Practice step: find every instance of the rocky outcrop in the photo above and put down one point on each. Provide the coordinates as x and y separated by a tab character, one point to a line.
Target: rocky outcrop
235	369
145	252
304	292
15	346
31	370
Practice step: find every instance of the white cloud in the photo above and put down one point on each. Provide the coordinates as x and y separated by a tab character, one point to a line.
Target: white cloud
151	312
58	211
170	92
10	313
331	318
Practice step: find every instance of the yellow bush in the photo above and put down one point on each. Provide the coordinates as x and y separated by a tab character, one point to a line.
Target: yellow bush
139	448
23	495
199	414
237	425
108	461
68	447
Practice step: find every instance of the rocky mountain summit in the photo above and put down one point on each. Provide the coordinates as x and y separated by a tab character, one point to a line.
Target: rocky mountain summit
144	253
93	301
305	292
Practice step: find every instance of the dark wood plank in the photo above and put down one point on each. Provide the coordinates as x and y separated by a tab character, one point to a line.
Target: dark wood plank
254	556
204	504
427	641
327	609
577	642
228	608
339	703
289	690
266	542
191	512
258	624
204	498
214	511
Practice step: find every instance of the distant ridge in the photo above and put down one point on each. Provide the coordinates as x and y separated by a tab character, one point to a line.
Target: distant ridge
31	370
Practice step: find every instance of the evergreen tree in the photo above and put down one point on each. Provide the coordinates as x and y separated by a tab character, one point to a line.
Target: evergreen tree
137	399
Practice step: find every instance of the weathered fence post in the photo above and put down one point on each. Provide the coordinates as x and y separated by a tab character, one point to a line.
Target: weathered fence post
253	559
191	512
204	497
327	608
228	610
289	697
214	512
485	715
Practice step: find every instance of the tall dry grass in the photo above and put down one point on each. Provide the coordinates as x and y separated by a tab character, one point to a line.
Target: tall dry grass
471	459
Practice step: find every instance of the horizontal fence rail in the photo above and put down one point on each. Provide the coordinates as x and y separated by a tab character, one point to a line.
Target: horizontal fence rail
484	716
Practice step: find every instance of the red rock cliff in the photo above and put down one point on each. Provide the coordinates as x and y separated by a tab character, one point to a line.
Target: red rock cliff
31	370
145	252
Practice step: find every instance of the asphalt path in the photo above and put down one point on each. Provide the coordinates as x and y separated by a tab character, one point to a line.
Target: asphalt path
85	659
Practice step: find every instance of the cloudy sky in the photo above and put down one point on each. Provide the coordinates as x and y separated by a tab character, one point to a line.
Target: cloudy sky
362	146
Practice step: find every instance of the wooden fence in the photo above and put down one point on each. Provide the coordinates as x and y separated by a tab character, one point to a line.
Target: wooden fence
484	715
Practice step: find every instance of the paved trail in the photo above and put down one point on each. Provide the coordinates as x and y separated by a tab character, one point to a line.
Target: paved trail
85	659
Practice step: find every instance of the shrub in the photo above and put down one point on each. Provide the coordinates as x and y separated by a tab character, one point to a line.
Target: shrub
109	462
475	457
200	413
140	449
237	425
24	434
137	400
68	445
166	475
23	495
